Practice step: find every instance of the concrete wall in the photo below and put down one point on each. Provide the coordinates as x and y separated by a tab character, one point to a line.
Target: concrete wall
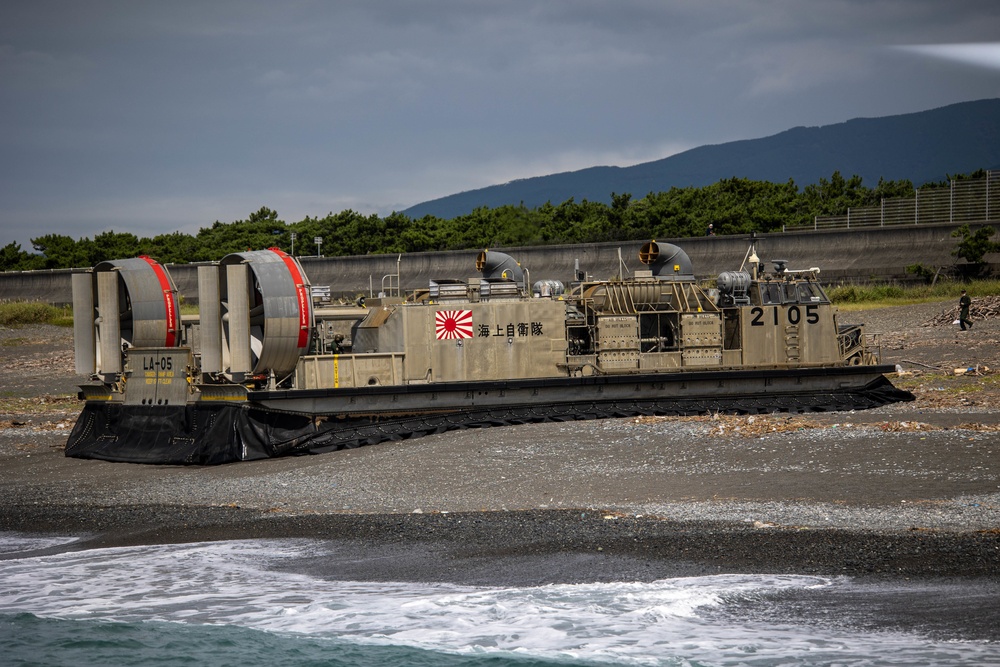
47	286
843	255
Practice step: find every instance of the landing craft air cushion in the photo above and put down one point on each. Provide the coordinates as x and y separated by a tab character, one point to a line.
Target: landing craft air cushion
264	373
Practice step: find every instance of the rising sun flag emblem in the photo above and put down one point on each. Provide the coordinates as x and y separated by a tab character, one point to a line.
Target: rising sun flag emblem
452	324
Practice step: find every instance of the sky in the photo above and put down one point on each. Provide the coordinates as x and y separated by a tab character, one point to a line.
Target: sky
152	117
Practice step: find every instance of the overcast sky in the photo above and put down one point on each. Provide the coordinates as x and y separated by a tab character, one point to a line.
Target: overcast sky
159	116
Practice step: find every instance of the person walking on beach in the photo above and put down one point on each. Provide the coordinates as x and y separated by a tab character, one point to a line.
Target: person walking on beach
964	304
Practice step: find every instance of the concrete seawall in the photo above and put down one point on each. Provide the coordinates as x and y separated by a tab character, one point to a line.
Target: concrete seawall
843	255
45	286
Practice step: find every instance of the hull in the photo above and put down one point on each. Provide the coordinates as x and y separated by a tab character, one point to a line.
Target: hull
280	423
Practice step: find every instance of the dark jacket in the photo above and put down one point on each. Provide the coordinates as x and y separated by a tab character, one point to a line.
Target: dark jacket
964	304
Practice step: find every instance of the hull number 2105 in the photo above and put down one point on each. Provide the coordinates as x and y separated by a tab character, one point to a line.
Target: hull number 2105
792	313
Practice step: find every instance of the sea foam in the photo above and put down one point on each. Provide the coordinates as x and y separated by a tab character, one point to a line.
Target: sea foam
235	584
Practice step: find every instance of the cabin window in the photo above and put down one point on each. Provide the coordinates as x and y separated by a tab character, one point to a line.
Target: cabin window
798	292
770	293
811	293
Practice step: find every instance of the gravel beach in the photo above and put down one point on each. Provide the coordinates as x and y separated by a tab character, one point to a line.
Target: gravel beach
907	490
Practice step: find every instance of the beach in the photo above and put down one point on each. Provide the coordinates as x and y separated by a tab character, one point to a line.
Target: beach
905	491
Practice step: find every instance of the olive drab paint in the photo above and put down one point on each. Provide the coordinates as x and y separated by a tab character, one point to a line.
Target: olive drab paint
274	374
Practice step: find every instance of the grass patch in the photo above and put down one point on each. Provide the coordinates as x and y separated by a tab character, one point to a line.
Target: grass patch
879	295
20	313
40	405
948	383
13	342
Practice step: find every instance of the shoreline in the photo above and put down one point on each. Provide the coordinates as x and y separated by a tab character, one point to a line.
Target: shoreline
623	499
527	547
938	584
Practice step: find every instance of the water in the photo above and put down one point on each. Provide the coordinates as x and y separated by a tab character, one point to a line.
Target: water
224	603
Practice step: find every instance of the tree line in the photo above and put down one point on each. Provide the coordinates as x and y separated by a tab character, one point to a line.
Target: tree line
732	206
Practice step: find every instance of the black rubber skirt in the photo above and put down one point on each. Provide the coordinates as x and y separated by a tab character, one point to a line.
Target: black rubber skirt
210	433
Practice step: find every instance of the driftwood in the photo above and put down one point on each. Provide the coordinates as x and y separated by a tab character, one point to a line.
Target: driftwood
983	308
910	361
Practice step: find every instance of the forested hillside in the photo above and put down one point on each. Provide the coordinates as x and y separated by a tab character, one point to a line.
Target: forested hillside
918	147
732	206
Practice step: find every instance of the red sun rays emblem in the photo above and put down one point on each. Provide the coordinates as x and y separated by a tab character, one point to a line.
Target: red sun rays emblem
452	324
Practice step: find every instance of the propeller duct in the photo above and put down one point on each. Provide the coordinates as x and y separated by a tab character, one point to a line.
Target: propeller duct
267	315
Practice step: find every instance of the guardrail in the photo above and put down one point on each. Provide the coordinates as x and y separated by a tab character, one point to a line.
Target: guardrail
973	200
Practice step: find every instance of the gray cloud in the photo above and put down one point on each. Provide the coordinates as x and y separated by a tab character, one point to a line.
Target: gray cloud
160	116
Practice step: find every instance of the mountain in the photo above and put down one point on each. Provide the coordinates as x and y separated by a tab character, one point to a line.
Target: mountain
922	147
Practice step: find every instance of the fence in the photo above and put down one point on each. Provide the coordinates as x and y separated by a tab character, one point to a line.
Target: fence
973	200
